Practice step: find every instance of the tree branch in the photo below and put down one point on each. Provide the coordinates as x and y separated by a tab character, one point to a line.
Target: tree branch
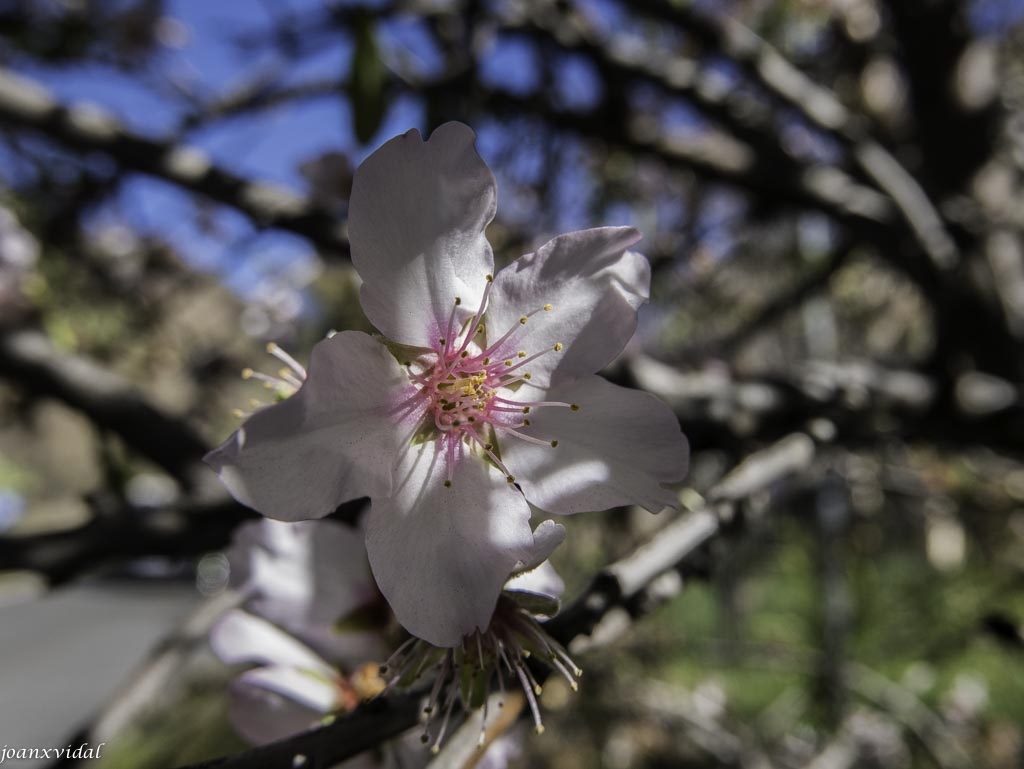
29	360
623	582
28	105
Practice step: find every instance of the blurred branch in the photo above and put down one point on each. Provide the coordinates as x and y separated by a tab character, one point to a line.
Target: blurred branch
366	727
819	106
625	582
674	705
31	362
852	402
928	727
260	94
121	533
717	409
773	309
27	104
160	671
717	158
677	76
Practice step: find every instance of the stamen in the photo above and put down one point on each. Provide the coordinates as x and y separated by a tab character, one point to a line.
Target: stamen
435	690
522	322
474	324
530	698
290	378
527	438
489	450
451	324
483	725
436	747
520	405
393	659
286	359
526	361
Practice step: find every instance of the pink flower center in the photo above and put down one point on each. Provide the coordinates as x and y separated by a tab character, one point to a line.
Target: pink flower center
467	386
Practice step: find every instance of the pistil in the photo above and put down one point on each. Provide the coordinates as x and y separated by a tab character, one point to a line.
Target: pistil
462	383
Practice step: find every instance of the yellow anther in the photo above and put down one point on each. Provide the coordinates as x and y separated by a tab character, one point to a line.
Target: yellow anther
558	346
547	308
523	320
574	407
272	347
489	277
540	728
554	444
521	354
526	409
527	375
238	414
487	361
247	373
508	363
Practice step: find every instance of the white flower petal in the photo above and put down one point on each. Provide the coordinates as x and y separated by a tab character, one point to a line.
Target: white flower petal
541	579
441	555
241	637
416	224
546	538
594	286
262	715
334	440
618	449
305	576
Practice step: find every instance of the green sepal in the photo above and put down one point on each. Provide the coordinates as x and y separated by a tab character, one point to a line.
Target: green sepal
537	604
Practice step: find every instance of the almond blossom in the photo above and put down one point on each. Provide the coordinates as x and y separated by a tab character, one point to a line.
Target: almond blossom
300	584
478	400
467	673
312	579
291	689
